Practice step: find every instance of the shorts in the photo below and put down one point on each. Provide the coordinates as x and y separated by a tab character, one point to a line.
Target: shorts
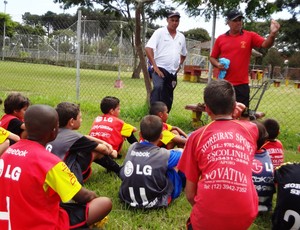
77	213
80	165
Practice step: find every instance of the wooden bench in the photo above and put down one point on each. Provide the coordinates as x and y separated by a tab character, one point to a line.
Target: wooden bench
276	83
191	73
297	84
197	110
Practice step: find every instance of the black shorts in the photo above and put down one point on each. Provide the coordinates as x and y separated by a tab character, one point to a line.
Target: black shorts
78	214
80	165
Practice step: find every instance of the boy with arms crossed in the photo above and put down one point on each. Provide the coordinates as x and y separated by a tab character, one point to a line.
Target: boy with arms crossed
217	161
34	182
149	179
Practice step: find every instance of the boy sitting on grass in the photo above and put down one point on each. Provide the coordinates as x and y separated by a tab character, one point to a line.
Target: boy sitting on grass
216	161
263	172
110	128
15	106
149	179
172	136
36	191
6	138
272	144
79	151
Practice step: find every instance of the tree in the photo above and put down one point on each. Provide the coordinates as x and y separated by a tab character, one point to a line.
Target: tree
291	5
294	60
198	34
10	26
288	39
273	57
123	9
63	40
50	21
140	51
207	8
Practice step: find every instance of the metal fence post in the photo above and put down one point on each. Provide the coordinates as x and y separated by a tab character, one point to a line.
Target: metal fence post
78	56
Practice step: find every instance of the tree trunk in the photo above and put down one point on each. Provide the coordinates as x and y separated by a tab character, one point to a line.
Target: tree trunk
140	50
137	71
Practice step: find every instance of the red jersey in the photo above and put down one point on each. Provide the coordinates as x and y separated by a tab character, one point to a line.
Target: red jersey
275	149
111	129
238	50
33	182
218	158
6	118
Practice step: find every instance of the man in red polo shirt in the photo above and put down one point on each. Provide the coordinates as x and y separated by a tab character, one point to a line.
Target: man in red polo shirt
236	46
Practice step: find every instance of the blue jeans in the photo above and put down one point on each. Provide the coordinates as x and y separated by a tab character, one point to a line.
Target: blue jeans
163	88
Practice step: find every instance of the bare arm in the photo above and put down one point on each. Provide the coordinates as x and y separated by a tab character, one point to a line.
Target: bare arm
84	196
99	141
190	191
216	63
182	59
179	141
180	131
13	137
274	27
239	108
150	56
104	150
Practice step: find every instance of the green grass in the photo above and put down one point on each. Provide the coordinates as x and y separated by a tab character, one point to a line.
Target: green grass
45	84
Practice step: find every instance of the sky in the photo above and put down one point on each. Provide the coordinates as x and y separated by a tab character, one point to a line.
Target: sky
16	8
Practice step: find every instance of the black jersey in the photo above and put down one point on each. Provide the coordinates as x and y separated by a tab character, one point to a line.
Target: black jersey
287	211
144	176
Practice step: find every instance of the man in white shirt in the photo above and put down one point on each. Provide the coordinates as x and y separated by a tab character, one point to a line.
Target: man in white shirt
166	51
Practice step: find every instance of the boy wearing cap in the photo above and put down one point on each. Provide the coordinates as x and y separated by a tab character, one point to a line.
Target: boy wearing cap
166	51
236	45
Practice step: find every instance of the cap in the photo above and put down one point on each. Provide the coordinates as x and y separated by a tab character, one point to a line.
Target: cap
173	14
233	14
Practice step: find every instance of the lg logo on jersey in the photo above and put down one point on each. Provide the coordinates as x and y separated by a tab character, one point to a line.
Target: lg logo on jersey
129	169
13	174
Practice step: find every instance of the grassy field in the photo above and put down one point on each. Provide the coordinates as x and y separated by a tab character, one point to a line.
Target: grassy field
50	85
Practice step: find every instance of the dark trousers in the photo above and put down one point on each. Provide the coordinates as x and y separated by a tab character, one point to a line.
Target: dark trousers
163	88
242	93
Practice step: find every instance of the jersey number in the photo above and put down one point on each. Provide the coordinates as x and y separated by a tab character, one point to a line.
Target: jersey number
296	216
143	196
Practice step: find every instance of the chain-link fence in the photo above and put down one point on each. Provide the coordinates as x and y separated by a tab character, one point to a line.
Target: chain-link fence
46	66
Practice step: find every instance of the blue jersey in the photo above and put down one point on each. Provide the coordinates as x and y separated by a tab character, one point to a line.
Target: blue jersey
263	179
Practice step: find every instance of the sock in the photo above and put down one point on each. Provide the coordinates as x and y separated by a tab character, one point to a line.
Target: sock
109	164
132	139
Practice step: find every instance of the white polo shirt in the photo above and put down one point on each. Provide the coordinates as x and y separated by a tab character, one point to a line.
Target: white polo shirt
167	50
